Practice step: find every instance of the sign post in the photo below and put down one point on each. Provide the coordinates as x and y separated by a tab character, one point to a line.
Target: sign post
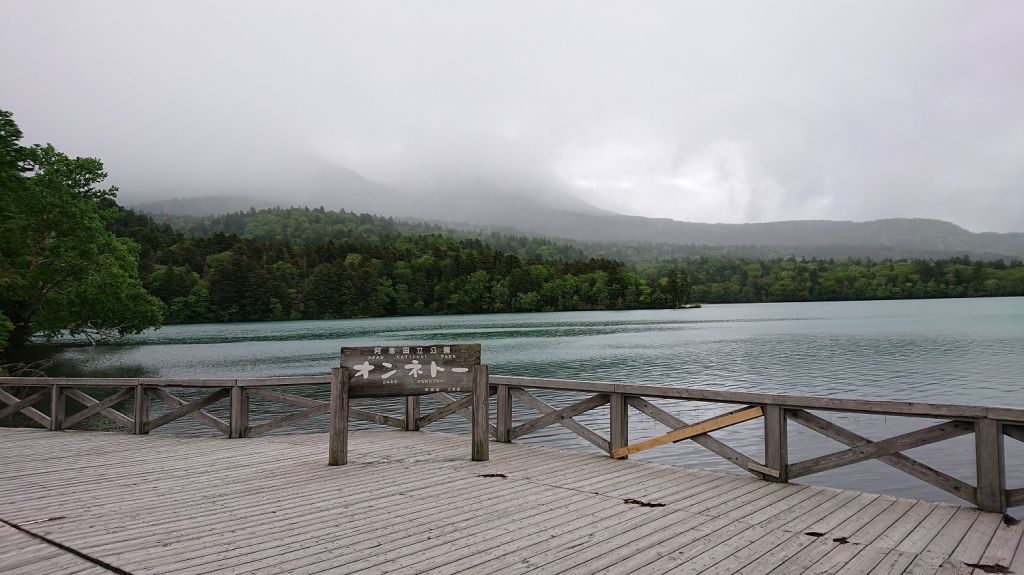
408	371
481	401
338	454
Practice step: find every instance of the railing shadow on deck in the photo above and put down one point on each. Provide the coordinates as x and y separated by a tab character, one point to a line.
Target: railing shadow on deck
988	424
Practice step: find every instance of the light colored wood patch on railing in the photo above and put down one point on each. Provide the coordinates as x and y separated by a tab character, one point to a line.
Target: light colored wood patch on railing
700	428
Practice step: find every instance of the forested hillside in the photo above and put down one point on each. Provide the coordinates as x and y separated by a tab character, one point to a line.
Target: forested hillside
889	238
314	264
632	237
304	225
303	263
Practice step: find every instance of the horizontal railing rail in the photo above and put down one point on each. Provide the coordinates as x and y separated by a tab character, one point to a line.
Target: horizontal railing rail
989	425
880	407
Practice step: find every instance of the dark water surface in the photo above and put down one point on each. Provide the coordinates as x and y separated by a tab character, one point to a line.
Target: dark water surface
945	351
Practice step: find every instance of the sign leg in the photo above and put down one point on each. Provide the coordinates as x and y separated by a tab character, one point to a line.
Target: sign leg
481	407
412	412
339	417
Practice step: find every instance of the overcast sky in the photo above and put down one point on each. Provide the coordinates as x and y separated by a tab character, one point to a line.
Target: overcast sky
699	111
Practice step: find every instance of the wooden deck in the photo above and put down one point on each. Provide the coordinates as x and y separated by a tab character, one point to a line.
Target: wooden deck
411	502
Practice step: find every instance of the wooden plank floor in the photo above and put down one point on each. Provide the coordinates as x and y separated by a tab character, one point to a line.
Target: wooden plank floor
412	502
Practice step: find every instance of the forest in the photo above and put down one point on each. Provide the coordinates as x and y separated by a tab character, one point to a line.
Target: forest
73	261
314	264
727	280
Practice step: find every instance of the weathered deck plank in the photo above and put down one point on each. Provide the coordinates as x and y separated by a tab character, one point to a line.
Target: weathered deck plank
22	553
412	502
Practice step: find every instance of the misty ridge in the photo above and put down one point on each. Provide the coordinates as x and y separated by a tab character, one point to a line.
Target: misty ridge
550	211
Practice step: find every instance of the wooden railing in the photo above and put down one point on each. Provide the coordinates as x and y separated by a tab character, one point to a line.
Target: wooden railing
238	392
988	424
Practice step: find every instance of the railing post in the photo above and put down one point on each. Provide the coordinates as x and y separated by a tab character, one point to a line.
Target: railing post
412	412
503	418
481	415
619	424
239	412
776	448
141	411
56	408
338	449
988	450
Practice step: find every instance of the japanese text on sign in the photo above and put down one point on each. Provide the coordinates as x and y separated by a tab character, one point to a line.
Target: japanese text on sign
414	369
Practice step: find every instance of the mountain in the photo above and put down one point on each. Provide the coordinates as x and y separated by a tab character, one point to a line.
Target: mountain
306	182
549	209
315	183
888	238
482	203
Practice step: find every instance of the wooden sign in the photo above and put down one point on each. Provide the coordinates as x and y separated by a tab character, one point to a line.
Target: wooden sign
403	370
410	371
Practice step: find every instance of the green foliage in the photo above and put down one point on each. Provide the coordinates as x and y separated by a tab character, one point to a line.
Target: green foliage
6	327
317	226
729	280
61	269
316	264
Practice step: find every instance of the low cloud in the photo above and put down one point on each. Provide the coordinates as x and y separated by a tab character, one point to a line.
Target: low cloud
699	111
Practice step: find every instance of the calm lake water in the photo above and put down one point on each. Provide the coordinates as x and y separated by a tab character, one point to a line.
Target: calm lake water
949	351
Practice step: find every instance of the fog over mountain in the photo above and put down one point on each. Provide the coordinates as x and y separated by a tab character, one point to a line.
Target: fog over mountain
599	232
695	111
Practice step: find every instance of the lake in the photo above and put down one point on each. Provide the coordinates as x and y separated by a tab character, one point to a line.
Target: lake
945	351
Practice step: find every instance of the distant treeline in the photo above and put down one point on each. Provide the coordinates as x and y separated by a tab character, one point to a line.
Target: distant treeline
314	264
726	280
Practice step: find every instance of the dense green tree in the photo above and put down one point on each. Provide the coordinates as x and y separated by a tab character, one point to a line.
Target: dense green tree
61	269
6	327
168	282
196	307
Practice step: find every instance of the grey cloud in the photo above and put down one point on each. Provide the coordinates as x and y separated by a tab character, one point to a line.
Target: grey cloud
838	110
